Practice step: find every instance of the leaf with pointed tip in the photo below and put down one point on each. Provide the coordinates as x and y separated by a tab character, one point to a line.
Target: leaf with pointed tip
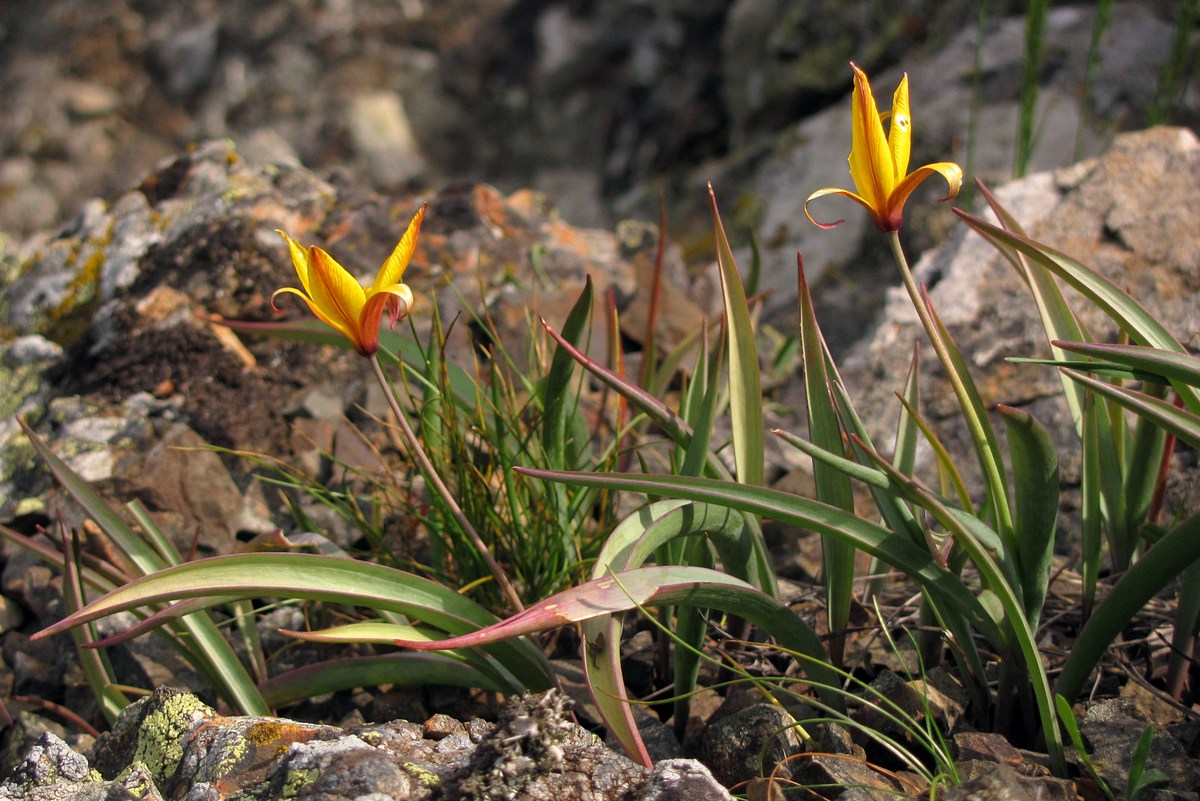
1181	422
658	586
1133	318
832	485
1163	365
774	504
212	652
745	390
313	577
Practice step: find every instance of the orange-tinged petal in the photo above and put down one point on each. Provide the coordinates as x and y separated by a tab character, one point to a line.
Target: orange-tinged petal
870	158
844	193
393	269
396	300
947	169
900	133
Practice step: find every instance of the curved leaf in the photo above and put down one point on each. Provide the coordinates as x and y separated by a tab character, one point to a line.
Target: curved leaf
314	577
659	586
1170	556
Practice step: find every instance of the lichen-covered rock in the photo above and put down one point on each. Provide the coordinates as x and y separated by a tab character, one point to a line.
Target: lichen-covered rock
172	746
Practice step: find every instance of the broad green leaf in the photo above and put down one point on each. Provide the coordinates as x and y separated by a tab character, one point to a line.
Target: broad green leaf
319	578
833	485
405	669
659	586
821	518
745	390
1157	568
1035	495
628	546
214	655
559	395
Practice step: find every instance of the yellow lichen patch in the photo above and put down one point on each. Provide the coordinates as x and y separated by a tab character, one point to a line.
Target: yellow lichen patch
421	775
277	735
160	737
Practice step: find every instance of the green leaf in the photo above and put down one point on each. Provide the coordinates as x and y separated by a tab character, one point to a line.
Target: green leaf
406	669
1182	423
833	485
1165	365
1058	320
1158	567
745	391
214	654
664	586
320	578
559	396
1141	326
821	518
1035	495
629	545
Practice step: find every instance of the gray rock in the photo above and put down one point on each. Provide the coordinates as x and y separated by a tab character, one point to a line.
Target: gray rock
752	742
171	745
49	760
1112	728
1002	783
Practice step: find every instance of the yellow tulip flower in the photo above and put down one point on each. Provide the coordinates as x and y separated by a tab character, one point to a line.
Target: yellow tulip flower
879	162
340	301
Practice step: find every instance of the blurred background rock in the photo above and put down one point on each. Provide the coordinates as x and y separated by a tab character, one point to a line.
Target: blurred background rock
602	105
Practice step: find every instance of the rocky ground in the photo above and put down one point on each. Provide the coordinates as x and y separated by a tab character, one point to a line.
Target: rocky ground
120	239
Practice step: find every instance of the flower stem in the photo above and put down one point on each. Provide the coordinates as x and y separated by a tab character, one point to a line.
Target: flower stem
980	435
431	475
